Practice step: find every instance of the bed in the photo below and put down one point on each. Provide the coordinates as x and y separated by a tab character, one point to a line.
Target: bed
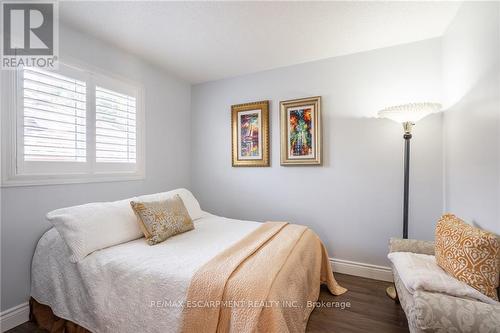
135	287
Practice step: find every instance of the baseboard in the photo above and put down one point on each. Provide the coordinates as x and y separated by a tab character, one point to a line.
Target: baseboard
375	272
15	316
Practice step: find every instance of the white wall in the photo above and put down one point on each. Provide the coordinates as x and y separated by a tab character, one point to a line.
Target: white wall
167	102
471	76
353	201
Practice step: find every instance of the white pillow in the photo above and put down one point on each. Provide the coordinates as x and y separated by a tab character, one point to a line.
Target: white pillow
192	205
95	226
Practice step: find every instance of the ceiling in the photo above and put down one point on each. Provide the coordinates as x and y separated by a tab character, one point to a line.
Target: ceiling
205	41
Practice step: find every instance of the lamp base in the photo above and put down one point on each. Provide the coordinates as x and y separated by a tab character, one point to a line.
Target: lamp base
392	293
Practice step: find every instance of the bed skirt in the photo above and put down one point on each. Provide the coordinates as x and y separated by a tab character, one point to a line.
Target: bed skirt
43	316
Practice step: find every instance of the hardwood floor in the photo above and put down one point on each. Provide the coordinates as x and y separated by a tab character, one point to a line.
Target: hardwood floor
370	310
28	327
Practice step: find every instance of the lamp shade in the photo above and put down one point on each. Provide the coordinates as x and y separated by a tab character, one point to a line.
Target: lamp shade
411	112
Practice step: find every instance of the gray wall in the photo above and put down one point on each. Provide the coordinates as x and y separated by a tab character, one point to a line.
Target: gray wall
354	200
167	102
471	71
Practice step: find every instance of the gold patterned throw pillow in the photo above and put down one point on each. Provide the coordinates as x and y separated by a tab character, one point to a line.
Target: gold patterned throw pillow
160	220
469	254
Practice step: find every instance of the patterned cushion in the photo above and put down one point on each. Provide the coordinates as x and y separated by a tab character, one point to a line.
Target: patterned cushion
160	220
469	254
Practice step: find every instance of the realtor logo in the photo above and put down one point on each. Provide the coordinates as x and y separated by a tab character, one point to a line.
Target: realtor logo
29	34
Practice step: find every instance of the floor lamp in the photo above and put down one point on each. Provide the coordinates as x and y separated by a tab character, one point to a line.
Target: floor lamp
408	115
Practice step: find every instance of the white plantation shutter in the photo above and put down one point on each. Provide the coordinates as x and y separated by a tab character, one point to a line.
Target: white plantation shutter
54	117
71	125
115	126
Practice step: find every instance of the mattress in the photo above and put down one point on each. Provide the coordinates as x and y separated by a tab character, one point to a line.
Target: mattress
131	286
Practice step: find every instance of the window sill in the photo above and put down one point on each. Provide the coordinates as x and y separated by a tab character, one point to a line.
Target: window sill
19	181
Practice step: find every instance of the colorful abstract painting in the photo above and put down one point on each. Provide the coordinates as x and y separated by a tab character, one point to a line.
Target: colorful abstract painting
300	131
300	135
249	134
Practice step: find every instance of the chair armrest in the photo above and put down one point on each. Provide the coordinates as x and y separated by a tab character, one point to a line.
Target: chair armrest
411	245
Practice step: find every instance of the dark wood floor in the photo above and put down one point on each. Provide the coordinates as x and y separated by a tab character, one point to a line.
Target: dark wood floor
370	310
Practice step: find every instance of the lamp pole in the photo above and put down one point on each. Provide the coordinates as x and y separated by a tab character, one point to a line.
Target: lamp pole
407	126
407	115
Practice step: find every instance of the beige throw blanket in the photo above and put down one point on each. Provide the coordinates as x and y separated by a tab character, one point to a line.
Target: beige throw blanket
267	282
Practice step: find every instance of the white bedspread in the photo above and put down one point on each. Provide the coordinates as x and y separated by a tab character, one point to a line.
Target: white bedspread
421	272
131	286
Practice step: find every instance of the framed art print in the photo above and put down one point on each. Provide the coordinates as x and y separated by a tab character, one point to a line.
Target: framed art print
301	131
250	134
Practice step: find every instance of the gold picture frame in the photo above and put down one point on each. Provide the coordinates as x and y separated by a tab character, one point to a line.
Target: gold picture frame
300	121
250	134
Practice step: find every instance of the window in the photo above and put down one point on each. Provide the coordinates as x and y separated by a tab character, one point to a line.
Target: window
73	126
115	127
54	117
